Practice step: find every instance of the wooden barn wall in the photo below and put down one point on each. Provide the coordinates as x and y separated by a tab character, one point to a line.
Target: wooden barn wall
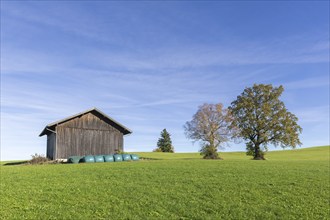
51	141
87	135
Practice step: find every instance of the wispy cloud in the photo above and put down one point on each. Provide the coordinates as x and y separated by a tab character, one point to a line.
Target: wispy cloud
311	82
204	56
318	114
306	48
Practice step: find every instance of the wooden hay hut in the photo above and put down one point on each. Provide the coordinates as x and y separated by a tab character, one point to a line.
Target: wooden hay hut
88	133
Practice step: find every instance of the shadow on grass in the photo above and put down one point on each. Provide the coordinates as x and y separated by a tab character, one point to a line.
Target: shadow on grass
189	159
15	163
148	158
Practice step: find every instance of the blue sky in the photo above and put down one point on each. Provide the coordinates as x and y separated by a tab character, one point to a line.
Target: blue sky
149	65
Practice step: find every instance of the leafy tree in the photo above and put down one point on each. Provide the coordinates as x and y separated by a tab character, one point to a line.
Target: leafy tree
262	119
210	126
164	142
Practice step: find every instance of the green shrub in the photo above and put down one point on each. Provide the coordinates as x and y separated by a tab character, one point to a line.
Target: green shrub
117	151
157	150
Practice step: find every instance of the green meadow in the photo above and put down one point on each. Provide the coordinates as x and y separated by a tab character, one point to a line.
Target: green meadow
291	184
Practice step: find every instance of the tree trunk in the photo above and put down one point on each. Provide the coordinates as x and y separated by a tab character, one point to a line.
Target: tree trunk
258	155
210	152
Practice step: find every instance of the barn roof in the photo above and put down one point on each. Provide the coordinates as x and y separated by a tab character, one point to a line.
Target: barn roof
51	127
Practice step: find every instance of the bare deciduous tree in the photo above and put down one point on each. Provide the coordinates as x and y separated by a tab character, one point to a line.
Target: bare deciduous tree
210	126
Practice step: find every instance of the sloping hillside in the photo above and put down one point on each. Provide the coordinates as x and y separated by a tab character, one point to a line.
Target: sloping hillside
312	153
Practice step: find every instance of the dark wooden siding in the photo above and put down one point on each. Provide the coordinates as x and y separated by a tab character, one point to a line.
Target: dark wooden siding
51	141
87	135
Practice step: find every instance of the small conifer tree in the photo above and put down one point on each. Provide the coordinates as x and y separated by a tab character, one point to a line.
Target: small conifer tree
164	142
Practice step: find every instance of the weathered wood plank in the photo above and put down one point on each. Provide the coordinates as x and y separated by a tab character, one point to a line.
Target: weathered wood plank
87	135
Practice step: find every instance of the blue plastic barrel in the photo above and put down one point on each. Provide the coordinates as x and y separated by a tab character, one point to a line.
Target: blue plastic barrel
89	159
127	157
135	157
108	158
74	159
118	157
99	159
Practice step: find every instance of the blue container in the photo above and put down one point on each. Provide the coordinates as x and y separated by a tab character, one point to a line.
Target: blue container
108	158
135	157
127	157
118	157
89	159
99	159
74	159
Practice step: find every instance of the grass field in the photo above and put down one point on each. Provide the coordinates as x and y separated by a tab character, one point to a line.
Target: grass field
289	185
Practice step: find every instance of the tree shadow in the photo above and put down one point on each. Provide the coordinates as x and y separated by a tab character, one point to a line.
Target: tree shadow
148	158
15	163
189	159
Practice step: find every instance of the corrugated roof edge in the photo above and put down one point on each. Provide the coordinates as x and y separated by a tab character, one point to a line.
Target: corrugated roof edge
82	113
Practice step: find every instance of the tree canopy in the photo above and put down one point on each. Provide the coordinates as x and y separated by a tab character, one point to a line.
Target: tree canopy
210	126
262	118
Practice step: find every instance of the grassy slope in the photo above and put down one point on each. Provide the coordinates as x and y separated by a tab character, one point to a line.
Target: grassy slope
313	153
291	184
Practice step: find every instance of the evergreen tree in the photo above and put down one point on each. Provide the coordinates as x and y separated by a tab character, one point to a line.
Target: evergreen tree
164	142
